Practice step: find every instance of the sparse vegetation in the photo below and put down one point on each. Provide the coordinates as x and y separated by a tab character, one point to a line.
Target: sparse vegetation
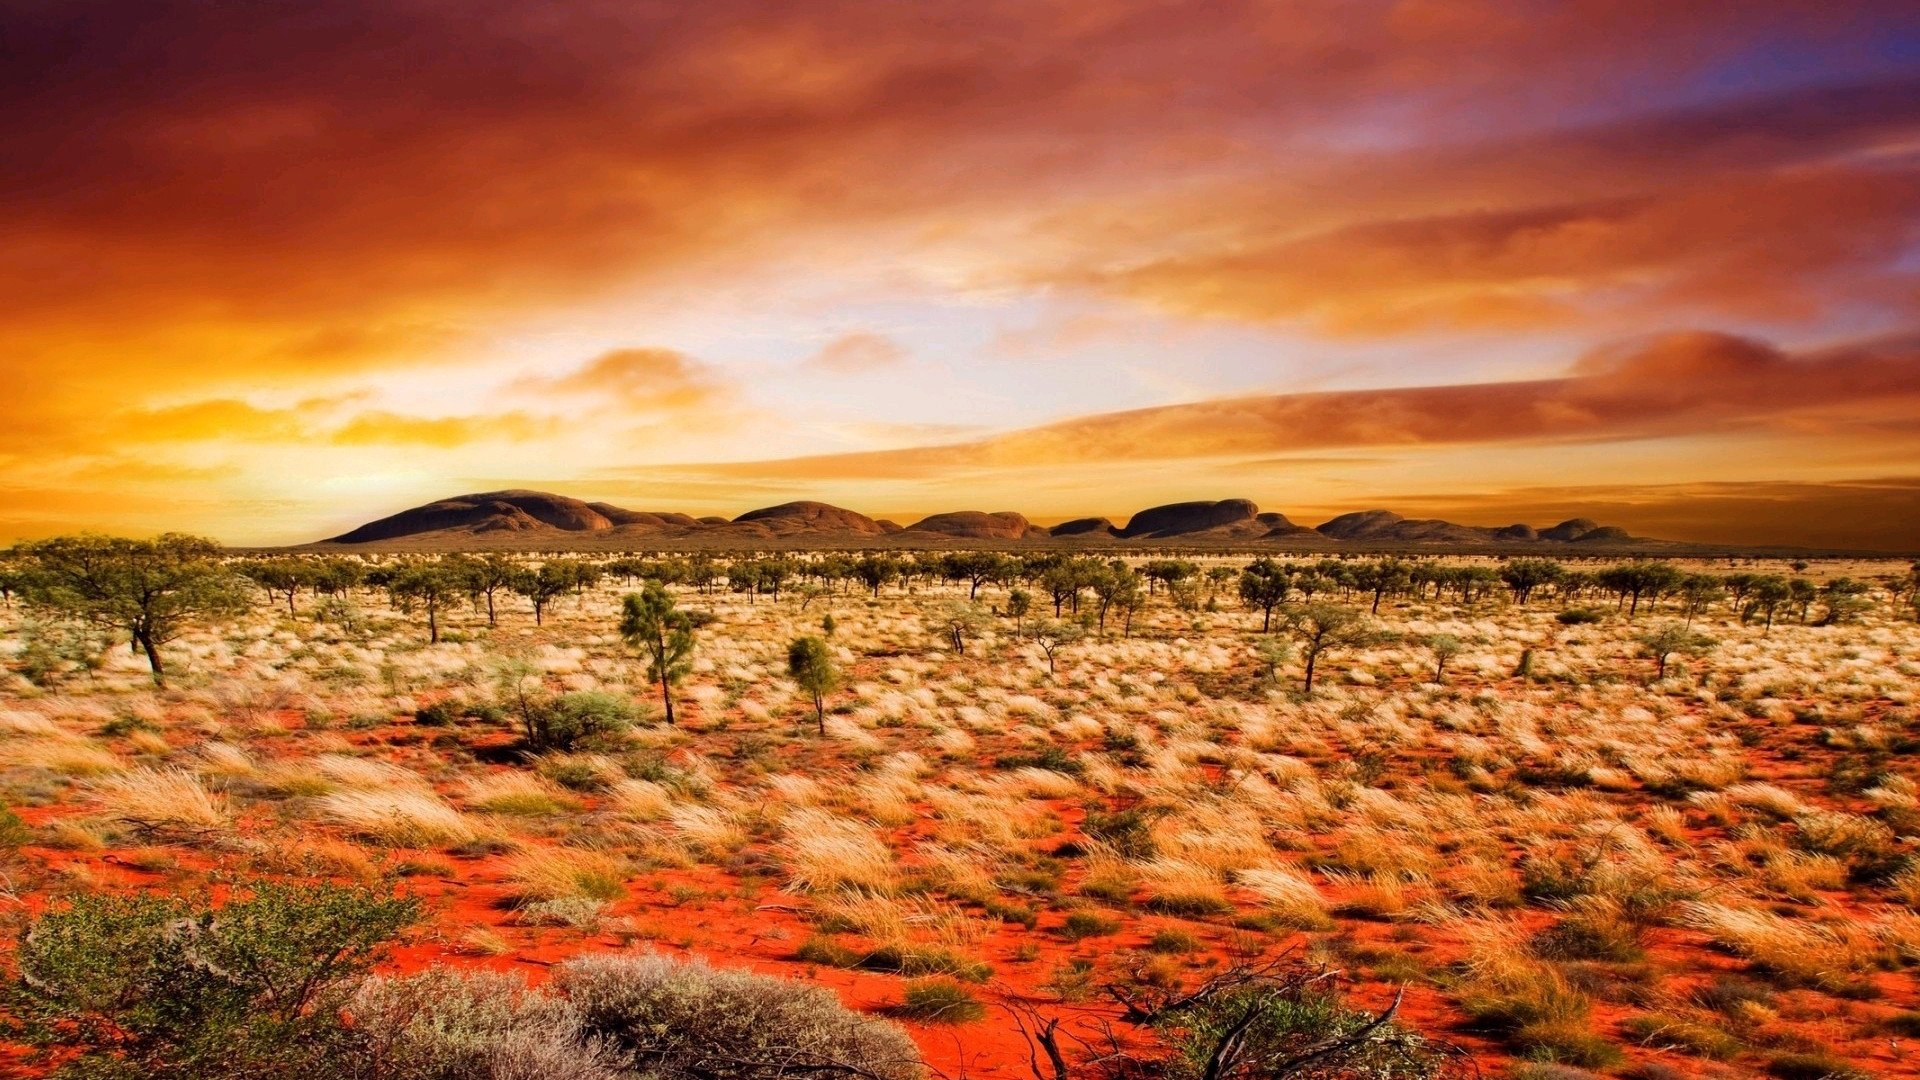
1524	817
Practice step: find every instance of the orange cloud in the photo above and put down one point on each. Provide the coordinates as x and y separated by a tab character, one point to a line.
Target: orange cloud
857	354
650	379
1667	385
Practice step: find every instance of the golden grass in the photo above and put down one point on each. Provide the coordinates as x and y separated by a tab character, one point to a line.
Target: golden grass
516	793
162	798
823	851
545	874
398	818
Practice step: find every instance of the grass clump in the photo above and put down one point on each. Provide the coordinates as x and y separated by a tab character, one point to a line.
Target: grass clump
1081	925
940	1001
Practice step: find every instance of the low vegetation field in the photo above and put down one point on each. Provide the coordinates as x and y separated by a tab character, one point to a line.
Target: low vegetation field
1642	820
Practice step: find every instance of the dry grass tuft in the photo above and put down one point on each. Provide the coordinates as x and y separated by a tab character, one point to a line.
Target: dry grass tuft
399	818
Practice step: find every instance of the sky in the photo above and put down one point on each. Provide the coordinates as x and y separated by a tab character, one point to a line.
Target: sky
271	270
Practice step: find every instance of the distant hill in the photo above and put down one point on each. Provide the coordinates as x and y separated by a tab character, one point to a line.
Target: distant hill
539	520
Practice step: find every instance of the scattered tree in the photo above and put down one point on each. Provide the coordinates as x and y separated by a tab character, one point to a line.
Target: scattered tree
151	590
1662	642
1444	648
810	664
1264	585
650	622
1320	628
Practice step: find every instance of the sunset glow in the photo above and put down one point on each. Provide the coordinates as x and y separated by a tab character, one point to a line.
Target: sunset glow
268	271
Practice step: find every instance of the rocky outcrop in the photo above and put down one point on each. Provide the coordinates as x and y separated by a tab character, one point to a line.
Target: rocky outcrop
1569	530
487	512
1090	526
794	518
1189	518
975	525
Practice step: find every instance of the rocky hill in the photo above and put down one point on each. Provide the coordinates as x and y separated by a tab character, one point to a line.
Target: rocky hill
541	520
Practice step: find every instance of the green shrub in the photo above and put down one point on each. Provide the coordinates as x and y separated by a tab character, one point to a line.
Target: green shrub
1174	941
1081	925
561	723
1128	832
1277	1020
1051	757
142	985
941	1001
443	713
1579	616
13	831
908	960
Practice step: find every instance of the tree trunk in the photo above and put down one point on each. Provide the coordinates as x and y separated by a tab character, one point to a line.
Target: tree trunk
145	641
666	698
433	626
1311	657
490	616
820	712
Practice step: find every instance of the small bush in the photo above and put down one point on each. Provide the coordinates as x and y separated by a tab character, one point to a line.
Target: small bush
443	713
941	1001
1175	942
1579	616
1277	1020
1081	925
690	1022
563	722
1051	757
143	985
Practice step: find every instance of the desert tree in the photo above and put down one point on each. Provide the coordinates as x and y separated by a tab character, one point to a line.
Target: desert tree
1802	593
1444	648
1523	576
338	577
960	620
1168	572
1637	581
1381	578
1052	635
1765	595
430	587
1661	643
1115	586
1698	592
151	590
1218	577
650	622
1320	628
976	568
283	575
873	571
1127	602
12	576
487	576
1018	604
1064	581
544	584
1264	584
1271	652
810	664
1845	599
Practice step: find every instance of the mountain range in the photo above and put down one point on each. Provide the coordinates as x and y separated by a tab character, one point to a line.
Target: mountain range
538	519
